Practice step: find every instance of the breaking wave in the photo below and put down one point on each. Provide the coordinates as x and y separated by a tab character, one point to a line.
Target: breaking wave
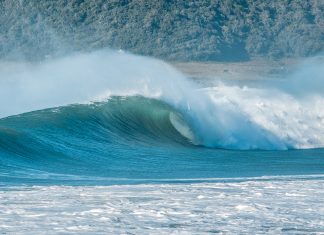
278	116
123	116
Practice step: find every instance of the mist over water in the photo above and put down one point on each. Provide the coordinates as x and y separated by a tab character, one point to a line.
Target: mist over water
287	114
83	78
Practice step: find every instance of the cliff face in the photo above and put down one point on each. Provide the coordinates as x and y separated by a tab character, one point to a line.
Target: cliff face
214	30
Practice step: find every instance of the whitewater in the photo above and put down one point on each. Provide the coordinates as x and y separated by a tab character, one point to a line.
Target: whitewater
134	145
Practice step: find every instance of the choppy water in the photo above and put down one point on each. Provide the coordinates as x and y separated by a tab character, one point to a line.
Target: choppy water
272	206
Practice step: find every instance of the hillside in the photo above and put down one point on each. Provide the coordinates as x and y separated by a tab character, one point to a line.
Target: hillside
201	30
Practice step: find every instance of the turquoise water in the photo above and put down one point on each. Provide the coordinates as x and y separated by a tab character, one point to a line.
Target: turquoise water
127	140
111	118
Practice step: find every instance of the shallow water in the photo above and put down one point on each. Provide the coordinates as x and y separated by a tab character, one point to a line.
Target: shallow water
276	206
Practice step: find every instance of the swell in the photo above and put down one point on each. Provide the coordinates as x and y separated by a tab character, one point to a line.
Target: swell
90	129
120	120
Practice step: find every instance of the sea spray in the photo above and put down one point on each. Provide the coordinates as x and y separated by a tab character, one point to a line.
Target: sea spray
222	117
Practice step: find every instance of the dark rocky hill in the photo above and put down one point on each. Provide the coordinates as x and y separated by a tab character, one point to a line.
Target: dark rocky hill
203	30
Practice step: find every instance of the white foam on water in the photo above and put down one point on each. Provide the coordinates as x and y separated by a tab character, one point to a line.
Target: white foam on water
295	123
249	207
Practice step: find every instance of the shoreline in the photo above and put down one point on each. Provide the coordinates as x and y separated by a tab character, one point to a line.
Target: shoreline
253	70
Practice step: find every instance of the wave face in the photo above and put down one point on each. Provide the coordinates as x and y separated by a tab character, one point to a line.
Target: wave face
127	140
120	120
115	116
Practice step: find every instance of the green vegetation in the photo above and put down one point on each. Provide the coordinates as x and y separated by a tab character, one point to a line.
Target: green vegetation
204	30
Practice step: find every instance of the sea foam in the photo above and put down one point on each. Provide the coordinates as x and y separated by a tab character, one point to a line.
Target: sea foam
287	205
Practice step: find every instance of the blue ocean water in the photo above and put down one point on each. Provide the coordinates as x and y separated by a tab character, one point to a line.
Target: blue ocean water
127	140
77	122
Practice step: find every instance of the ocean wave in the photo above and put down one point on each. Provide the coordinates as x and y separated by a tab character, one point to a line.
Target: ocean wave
124	120
275	117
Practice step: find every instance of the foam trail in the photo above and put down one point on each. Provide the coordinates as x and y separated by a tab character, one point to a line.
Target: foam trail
225	116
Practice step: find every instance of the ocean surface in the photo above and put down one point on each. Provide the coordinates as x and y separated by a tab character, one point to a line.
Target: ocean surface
108	121
129	140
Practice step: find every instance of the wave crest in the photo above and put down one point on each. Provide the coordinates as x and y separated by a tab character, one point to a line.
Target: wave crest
230	117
